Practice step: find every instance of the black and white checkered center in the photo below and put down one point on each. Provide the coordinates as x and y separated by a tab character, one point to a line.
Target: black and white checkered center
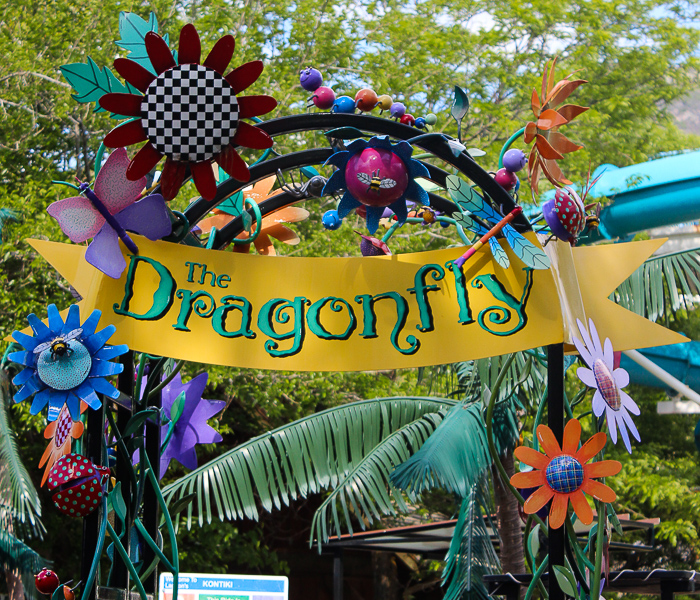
190	113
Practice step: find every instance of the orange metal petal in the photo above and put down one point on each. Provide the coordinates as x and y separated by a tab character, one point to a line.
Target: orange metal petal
562	93
550	82
535	104
531	457
551	171
530	132
572	437
538	499
263	244
528	479
602	468
545	149
261	189
534	170
598	490
571	111
557	513
581	507
594	445
217	221
561	143
283	234
547	441
550	118
289	214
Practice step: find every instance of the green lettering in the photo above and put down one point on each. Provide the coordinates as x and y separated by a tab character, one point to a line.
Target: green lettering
221	279
497	314
369	320
273	312
204	274
420	289
190	275
337	305
198	302
162	298
218	319
465	311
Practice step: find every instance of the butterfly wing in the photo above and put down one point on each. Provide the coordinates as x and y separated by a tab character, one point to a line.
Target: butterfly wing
525	250
468	199
104	253
147	217
112	187
77	218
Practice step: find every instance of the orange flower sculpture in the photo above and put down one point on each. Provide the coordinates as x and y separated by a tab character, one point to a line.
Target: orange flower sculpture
61	432
189	112
562	474
550	145
272	225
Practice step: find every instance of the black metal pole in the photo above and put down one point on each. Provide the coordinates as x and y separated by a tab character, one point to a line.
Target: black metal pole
150	500
555	420
91	523
338	574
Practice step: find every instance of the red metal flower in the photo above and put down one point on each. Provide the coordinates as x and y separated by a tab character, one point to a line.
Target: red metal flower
189	112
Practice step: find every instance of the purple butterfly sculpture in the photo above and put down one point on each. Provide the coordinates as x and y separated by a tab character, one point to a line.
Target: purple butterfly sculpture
106	213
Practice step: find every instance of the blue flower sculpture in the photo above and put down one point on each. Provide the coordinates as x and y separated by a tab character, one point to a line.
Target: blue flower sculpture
376	174
66	362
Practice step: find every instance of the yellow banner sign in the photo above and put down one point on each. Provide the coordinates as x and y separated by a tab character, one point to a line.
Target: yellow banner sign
333	314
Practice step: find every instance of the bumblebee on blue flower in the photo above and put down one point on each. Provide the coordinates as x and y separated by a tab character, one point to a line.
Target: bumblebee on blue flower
66	362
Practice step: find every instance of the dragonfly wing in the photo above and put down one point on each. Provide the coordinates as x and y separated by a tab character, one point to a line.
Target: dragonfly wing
468	199
525	250
112	186
77	218
147	217
499	253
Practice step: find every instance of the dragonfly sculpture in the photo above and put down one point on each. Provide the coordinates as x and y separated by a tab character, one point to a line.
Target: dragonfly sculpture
473	205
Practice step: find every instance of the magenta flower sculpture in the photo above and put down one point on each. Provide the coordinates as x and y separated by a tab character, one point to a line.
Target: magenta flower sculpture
190	426
608	383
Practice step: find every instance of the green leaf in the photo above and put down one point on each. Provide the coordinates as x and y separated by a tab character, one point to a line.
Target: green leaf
91	83
116	502
533	541
345	133
181	505
136	422
177	408
566	581
614	520
460	104
233	205
133	30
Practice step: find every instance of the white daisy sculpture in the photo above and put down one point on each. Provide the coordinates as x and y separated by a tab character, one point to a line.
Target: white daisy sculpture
608	383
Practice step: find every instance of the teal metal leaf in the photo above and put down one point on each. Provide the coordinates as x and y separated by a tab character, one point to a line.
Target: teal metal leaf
460	104
233	205
533	542
566	580
91	83
133	30
345	133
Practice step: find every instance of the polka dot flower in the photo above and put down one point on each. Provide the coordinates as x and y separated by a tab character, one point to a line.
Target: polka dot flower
562	475
189	112
65	362
608	383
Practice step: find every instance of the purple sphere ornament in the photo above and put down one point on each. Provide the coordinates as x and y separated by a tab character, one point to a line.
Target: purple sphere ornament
310	79
323	98
565	215
331	220
514	160
397	110
506	179
344	104
376	177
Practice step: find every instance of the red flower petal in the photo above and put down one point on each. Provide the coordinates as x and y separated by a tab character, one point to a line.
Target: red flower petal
254	106
221	54
122	104
189	47
251	137
171	179
245	75
146	158
125	135
134	73
204	181
159	53
231	162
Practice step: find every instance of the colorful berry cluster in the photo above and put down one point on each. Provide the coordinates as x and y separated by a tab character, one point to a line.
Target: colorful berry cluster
366	100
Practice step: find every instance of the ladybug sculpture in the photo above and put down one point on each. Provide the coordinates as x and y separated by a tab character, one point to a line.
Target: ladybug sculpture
76	485
565	214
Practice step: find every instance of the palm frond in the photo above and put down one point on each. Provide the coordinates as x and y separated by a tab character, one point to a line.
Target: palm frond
471	554
16	555
455	456
298	459
367	491
19	500
662	284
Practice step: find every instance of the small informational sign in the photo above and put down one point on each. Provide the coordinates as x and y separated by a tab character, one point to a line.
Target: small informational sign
200	586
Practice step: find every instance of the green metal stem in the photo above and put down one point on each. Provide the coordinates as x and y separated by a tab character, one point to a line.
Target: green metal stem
127	561
536	579
538	418
599	542
151	542
98	550
139	377
573	539
167	380
509	141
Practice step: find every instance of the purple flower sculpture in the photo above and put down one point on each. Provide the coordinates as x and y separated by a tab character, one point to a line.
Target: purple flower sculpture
608	383
191	427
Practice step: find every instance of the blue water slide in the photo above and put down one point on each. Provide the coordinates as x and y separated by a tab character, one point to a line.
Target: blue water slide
680	360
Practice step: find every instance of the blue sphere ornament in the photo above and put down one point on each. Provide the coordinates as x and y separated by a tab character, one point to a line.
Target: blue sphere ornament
344	104
397	110
514	160
564	474
331	220
420	123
